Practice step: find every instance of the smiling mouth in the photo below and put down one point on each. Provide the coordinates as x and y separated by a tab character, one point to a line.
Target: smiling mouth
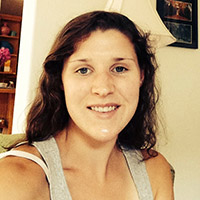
104	109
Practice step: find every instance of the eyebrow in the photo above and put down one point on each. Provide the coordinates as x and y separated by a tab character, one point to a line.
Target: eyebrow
115	59
121	59
79	60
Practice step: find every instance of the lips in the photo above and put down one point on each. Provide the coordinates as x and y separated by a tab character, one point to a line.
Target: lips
103	108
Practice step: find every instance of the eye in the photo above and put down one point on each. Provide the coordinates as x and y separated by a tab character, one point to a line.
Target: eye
84	71
120	69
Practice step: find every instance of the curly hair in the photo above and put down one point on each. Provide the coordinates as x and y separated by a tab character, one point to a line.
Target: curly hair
48	114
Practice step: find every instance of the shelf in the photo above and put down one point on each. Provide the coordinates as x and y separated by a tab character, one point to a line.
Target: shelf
9	37
7	95
7	17
7	90
8	73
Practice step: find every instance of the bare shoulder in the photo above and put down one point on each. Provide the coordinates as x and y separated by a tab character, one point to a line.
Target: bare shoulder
22	179
159	171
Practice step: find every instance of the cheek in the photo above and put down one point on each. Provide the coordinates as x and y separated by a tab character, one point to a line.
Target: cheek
72	97
74	92
133	99
131	90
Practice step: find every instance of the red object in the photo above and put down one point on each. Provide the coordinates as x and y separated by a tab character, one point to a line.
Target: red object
5	30
4	56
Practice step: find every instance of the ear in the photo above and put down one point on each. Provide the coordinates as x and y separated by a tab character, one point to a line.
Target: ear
141	77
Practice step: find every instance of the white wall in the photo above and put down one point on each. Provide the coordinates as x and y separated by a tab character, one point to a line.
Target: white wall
180	83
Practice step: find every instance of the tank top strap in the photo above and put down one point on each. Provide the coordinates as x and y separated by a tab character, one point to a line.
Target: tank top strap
139	174
29	156
50	153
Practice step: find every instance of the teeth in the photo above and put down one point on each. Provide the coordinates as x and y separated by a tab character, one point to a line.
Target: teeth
104	109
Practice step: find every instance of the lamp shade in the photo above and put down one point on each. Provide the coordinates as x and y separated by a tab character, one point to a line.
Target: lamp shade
146	17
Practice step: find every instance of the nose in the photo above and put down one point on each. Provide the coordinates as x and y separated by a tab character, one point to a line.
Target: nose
103	84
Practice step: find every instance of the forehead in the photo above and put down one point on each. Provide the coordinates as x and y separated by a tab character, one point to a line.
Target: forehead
110	41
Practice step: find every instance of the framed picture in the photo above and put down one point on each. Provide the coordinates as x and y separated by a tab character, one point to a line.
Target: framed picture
180	17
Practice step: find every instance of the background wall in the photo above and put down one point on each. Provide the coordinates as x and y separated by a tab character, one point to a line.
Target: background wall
178	74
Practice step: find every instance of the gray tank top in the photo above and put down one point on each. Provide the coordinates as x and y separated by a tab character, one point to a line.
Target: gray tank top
58	185
51	164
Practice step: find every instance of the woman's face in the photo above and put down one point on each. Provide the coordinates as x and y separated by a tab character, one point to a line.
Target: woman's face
101	84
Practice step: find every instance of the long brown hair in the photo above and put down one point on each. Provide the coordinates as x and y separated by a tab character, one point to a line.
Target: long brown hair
48	114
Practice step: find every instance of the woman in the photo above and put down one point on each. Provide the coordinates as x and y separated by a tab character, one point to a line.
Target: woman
92	126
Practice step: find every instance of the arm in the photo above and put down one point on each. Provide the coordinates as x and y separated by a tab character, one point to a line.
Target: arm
22	179
161	179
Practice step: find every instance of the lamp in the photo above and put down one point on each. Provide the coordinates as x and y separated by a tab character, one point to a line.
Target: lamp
142	13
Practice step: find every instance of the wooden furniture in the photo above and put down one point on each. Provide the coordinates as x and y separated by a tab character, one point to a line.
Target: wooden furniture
7	94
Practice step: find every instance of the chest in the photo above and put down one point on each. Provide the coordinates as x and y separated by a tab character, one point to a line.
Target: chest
85	186
118	187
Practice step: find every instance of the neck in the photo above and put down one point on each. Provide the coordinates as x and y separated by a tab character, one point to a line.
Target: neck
88	157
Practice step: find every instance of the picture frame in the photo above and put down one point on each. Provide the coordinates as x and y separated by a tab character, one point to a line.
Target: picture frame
180	17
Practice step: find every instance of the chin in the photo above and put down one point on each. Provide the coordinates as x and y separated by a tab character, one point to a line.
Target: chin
105	136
